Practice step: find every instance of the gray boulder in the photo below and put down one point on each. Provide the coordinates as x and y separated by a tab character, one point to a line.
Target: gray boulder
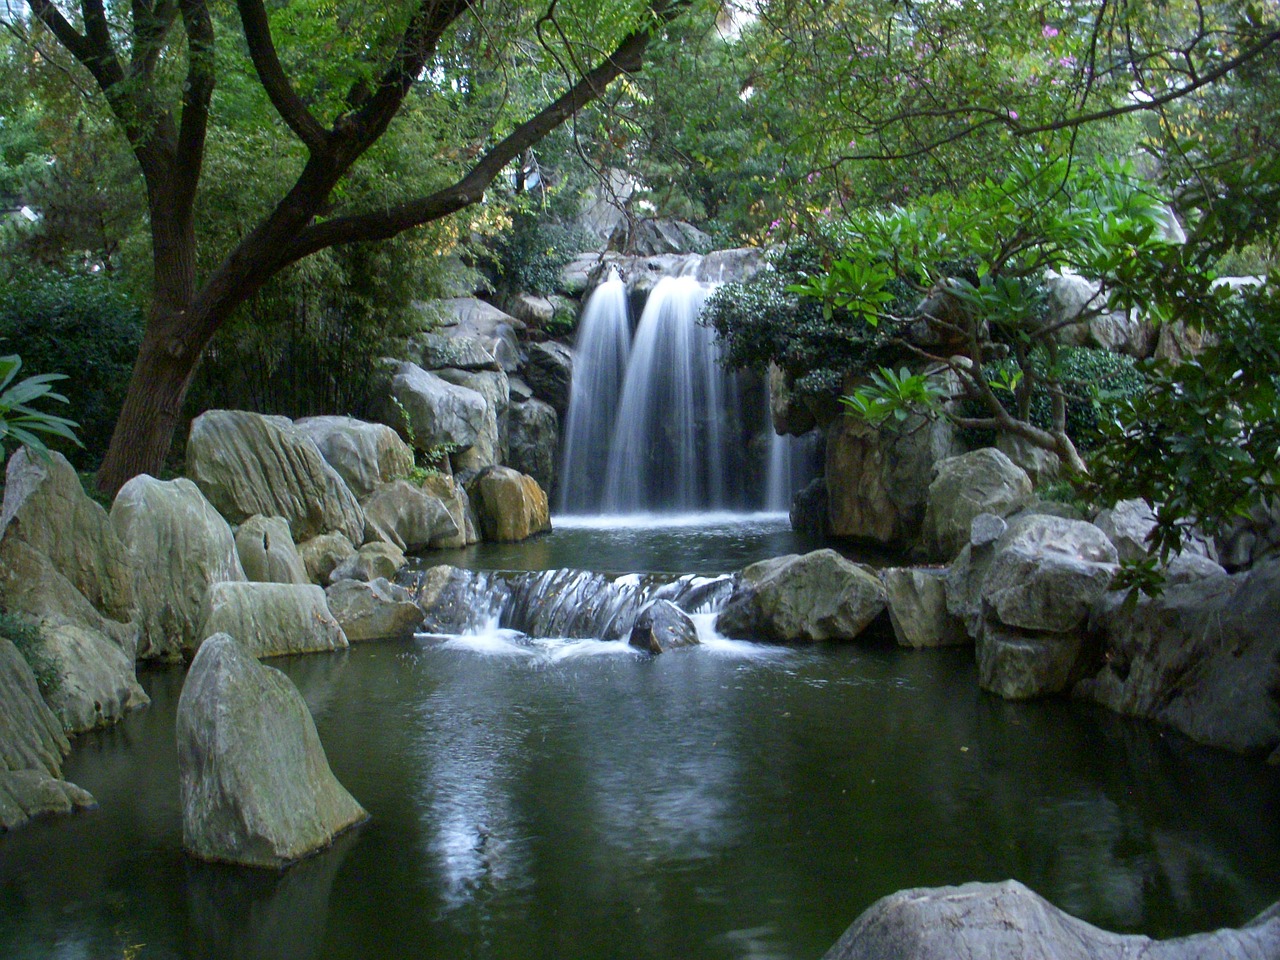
256	786
439	412
27	794
46	508
374	610
273	619
1127	525
511	506
178	546
1007	920
1023	664
1040	464
321	555
490	446
404	514
662	626
370	562
549	373
469	317
984	481
917	602
533	439
1203	657
364	454
799	598
455	499
97	683
434	351
530	309
249	464
267	553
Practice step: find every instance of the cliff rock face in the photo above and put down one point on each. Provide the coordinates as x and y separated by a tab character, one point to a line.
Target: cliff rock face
256	785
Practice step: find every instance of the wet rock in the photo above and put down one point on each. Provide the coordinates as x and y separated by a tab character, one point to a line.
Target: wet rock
511	506
800	598
370	562
375	610
267	553
917	603
256	786
662	626
549	373
534	441
1007	920
364	454
178	547
272	619
984	481
249	464
408	517
322	554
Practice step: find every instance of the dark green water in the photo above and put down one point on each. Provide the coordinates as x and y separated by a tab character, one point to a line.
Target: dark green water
573	801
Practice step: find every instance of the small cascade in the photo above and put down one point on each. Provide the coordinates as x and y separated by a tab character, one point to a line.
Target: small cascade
791	466
603	348
669	444
558	603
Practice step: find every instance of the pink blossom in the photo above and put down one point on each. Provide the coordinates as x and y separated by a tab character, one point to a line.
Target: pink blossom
1049	32
1013	114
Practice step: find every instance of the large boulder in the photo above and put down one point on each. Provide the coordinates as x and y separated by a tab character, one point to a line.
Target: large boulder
406	515
549	372
511	506
456	500
533	441
1203	657
435	351
273	619
178	546
1007	920
373	610
1077	311
983	481
96	681
267	552
371	562
46	508
249	464
32	745
798	598
323	554
917	601
662	626
877	477
469	317
256	786
490	446
439	413
364	454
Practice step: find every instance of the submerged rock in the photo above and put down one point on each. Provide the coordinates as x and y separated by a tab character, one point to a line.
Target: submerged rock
662	626
798	598
256	785
1007	920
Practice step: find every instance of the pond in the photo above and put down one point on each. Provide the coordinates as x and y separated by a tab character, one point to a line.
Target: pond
572	799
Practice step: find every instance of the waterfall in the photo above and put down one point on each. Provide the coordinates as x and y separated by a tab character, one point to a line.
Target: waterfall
603	348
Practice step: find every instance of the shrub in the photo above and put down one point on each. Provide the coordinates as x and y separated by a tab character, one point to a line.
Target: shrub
25	635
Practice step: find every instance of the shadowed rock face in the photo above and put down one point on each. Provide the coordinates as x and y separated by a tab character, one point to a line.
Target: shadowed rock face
256	785
663	626
986	921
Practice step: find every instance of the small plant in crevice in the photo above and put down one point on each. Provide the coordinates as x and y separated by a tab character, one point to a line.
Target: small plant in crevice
25	635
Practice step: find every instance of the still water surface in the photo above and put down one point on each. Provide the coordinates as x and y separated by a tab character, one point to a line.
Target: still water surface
573	800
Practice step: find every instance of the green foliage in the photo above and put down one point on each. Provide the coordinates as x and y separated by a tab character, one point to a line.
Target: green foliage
527	257
20	421
25	635
85	327
897	395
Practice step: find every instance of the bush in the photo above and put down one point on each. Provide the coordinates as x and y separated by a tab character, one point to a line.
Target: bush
527	256
85	327
25	635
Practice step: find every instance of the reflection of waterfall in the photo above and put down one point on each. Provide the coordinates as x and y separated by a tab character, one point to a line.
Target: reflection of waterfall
672	422
603	347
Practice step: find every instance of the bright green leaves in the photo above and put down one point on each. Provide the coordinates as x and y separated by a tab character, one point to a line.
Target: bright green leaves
898	395
19	420
854	285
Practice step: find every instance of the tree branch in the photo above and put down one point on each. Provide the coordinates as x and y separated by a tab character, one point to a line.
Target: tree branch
196	94
262	50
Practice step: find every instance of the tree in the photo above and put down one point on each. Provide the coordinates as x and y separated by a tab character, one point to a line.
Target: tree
337	78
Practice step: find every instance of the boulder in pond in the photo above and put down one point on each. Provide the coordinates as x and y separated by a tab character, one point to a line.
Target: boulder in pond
802	598
917	601
364	454
373	610
267	552
256	785
983	481
247	464
370	562
96	684
273	619
455	499
1007	920
511	506
322	554
662	626
405	515
179	546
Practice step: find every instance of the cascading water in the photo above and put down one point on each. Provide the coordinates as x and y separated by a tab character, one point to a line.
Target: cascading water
603	348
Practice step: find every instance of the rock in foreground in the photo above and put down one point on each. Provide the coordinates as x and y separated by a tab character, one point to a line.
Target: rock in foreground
662	626
256	786
1010	922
